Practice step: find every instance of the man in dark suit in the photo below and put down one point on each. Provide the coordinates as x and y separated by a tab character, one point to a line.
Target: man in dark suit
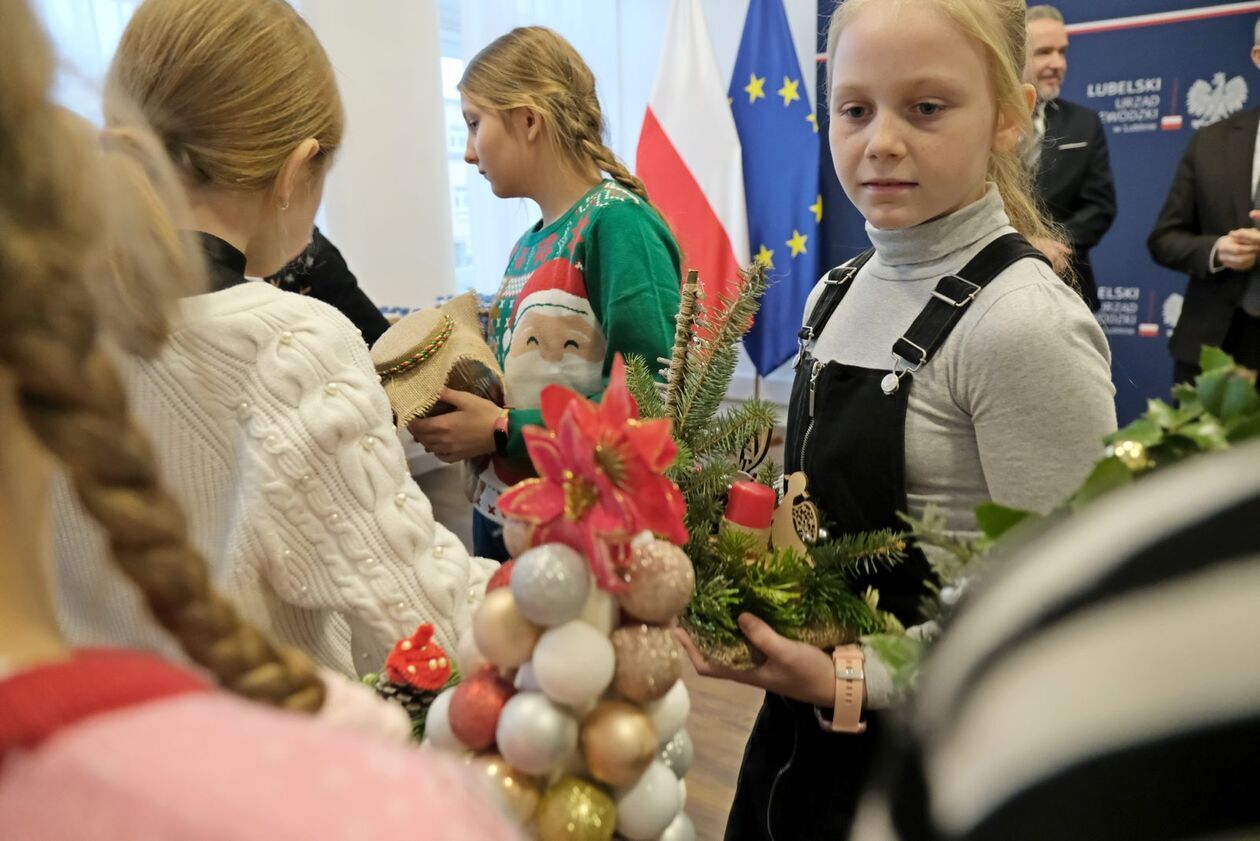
1206	230
1068	153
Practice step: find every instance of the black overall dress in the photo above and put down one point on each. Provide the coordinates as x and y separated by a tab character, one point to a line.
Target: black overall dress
846	431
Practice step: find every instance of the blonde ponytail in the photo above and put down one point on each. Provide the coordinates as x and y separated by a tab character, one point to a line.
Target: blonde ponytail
534	67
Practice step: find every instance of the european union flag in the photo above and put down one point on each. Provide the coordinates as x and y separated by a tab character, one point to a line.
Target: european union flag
778	131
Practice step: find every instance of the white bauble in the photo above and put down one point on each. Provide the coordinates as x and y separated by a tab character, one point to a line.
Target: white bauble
535	735
601	611
669	714
437	724
680	830
469	658
574	663
647	808
525	680
678	753
550	583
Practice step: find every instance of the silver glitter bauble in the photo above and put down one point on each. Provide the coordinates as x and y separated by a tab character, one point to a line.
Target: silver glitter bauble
534	734
550	583
678	753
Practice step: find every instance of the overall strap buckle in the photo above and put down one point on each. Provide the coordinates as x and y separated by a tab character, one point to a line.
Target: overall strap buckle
956	291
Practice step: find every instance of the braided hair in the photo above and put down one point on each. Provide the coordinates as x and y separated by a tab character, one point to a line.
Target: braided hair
68	216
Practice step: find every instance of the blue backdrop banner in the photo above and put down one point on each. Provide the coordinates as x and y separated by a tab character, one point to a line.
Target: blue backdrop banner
1154	70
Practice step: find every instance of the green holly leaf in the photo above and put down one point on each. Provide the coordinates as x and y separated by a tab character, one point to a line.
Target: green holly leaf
1210	386
1143	430
1213	359
1186	396
1239	400
996	520
1207	433
1171	417
1108	474
1245	429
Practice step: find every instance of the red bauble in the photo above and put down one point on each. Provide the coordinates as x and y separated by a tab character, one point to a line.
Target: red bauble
475	707
501	577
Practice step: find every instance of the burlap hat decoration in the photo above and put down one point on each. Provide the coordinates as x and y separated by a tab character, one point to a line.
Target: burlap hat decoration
436	348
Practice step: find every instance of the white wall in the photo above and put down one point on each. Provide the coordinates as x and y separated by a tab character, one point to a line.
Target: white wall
386	205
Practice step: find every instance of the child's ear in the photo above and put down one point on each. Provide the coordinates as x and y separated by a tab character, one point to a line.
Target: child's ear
1006	135
532	121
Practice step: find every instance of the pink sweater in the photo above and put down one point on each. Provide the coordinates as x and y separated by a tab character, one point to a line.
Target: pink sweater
203	766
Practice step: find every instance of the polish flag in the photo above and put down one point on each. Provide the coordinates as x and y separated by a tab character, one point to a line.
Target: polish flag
689	155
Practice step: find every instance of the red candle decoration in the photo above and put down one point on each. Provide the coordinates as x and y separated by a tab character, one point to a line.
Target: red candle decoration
751	505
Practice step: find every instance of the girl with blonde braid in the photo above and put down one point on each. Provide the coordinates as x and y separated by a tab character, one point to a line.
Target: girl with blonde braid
276	436
117	744
598	275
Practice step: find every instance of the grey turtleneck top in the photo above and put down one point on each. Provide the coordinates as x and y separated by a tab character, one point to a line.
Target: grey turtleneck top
1014	406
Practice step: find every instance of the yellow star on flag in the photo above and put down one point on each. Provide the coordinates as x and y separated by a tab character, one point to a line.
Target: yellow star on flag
817	208
756	88
812	119
788	91
797	242
765	257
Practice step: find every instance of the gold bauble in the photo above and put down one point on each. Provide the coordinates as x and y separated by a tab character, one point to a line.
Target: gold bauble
503	635
575	810
517	792
648	662
618	742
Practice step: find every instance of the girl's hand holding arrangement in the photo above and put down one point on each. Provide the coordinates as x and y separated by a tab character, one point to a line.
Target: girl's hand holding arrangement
465	433
792	669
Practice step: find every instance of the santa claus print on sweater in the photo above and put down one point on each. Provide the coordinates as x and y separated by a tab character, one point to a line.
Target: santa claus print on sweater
554	337
600	280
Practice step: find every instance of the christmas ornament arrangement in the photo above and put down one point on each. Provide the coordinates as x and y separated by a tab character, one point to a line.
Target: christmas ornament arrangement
757	542
571	704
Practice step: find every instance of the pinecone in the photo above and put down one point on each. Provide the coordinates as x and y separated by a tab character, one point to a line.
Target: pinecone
415	701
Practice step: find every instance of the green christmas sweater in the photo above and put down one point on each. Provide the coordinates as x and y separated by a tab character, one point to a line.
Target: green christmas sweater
602	279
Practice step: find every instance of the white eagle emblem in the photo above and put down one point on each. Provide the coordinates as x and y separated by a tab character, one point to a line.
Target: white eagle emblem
1210	103
1172	310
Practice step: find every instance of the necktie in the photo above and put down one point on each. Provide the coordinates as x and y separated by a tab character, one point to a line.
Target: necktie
1251	295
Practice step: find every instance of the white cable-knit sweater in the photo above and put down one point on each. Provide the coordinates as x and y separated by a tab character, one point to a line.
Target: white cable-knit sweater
273	431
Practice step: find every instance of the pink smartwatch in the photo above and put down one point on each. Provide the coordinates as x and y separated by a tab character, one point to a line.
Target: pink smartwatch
850	690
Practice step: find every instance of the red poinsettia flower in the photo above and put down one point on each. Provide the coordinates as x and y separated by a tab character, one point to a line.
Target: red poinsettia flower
602	478
418	661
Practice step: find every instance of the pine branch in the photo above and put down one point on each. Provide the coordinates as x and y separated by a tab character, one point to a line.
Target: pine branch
770	474
684	329
711	364
644	387
712	610
731	431
865	553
